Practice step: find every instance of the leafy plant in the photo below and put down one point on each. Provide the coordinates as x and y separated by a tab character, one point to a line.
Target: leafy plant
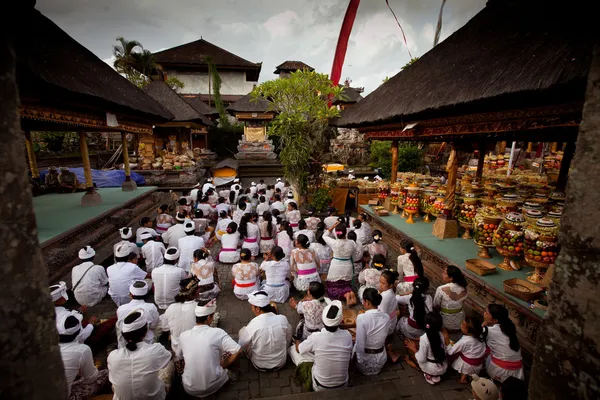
302	104
410	157
216	86
411	62
174	83
321	199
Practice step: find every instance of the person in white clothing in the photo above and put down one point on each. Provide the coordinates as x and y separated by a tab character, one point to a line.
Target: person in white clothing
261	185
187	245
263	206
207	185
280	184
430	356
78	361
330	349
153	252
145	227
277	272
419	304
139	371
341	268
207	353
253	188
171	237
89	281
166	279
372	329
468	354
361	236
389	304
310	309
362	217
222	206
249	234
410	266
203	268
265	339
449	298
505	351
246	276
289	200
138	292
303	230
331	218
122	274
236	187
222	224
126	236
278	205
194	192
59	298
180	316
230	242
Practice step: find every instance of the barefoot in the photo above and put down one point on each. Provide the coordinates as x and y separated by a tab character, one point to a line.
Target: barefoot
411	362
463	379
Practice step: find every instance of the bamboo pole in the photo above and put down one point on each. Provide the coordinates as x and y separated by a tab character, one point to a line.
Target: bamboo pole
394	161
35	173
85	157
128	185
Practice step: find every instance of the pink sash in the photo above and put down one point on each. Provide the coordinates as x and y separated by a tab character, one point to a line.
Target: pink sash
410	279
250	240
307	271
509	365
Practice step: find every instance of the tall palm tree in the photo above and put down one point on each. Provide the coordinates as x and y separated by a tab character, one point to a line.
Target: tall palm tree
124	55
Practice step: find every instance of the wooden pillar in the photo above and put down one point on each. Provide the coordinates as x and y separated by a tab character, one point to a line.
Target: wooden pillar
452	169
554	147
563	175
480	161
394	177
128	185
91	197
35	173
501	147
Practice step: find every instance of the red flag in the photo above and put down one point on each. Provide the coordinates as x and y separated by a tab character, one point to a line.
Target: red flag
342	45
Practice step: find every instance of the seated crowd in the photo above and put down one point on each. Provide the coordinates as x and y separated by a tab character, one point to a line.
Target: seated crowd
337	264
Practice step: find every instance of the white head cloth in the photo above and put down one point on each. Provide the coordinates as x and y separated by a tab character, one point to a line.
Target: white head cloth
335	321
138	323
180	217
139	291
209	180
366	178
86	252
173	256
259	298
189	226
197	185
122	251
253	184
58	291
290	195
146	235
278	179
236	180
351	171
377	178
126	233
60	325
350	176
206	310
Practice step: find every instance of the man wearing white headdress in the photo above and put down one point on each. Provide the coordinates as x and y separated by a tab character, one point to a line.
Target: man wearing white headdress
290	199
152	251
331	350
280	185
194	192
140	370
188	244
89	281
261	185
126	236
207	353
78	361
253	188
265	339
173	234
236	185
138	291
122	274
207	186
59	298
166	279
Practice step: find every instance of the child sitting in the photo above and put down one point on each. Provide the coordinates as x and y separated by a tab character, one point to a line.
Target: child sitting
468	354
369	277
277	270
204	269
430	356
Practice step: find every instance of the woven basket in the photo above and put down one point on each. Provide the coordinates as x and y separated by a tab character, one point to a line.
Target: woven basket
480	267
522	289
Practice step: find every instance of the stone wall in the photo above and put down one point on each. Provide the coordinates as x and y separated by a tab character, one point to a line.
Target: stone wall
350	147
234	82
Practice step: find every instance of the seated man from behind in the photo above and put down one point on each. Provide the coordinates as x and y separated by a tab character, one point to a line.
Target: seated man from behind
51	180
265	339
67	180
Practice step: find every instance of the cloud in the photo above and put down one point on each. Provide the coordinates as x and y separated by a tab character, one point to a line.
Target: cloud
282	25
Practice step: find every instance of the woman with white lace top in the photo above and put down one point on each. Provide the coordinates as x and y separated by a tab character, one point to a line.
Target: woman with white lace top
410	268
304	264
277	271
267	233
250	234
292	215
230	241
323	251
285	238
245	276
310	309
370	276
377	247
419	304
449	298
203	268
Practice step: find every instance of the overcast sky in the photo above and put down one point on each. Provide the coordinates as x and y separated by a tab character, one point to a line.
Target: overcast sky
268	31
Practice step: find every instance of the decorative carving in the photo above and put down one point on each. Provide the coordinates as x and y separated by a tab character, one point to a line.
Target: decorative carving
350	147
256	134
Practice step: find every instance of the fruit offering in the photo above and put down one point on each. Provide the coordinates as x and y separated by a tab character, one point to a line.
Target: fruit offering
427	201
531	205
541	242
411	203
508	203
468	209
531	216
485	224
555	215
383	190
509	239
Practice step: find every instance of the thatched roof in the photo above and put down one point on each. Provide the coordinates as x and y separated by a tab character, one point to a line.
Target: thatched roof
349	95
200	106
53	67
195	53
513	54
248	104
292	66
173	102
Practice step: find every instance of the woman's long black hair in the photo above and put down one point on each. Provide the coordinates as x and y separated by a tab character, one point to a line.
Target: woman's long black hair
433	326
243	228
268	218
417	300
414	258
500	314
288	229
457	276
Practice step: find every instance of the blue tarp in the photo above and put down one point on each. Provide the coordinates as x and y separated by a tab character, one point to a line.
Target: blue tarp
102	179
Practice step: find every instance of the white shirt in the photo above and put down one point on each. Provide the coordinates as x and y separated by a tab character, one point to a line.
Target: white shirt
91	287
222	227
341	267
275	271
194	194
153	252
307	232
424	354
389	306
330	221
265	340
261	186
253	189
84	333
172	236
277	205
360	236
262	207
78	361
280	185
166	280
151	315
134	374
178	318
187	245
139	232
499	345
332	351
206	208
202	348
372	328
222	207
120	276
230	240
132	247
207	186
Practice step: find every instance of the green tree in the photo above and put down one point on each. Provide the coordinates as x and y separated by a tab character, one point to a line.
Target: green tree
216	86
410	157
302	104
412	61
174	83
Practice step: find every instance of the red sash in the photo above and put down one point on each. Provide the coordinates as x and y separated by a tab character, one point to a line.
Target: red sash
243	284
509	365
410	279
294	225
413	324
471	361
266	238
253	240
